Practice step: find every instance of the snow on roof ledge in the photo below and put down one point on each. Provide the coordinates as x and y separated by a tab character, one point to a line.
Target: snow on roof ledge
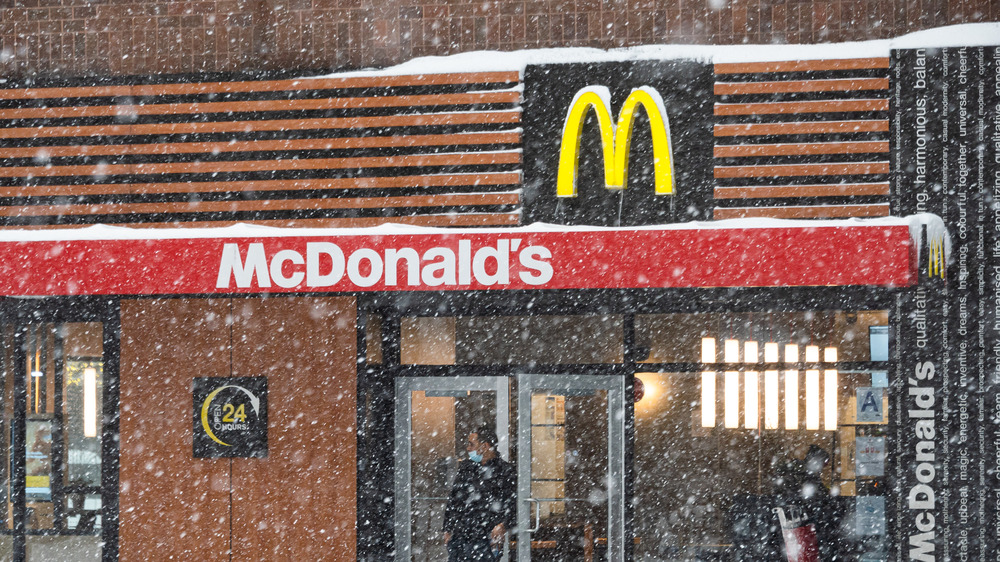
935	227
962	35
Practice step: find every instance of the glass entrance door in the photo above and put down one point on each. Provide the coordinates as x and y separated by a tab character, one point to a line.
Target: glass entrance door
570	468
570	461
434	416
56	436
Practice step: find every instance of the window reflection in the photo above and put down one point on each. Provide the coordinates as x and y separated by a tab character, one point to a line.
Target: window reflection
759	411
63	388
512	340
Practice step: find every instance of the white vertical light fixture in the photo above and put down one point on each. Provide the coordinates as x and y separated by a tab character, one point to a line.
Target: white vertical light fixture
708	350
771	352
731	351
791	388
90	402
830	388
708	384
732	400
812	354
812	399
751	407
751	389
771	404
770	399
731	405
708	399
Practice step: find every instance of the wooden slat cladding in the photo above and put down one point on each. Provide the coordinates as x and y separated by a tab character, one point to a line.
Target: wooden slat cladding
794	86
818	190
233	86
433	149
801	65
802	139
804	212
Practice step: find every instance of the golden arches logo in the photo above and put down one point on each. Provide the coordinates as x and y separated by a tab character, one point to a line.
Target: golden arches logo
615	138
936	260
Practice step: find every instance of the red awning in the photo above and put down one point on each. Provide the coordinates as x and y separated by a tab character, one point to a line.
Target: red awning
115	261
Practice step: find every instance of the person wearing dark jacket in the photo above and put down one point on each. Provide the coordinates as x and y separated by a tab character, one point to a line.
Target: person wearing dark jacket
481	507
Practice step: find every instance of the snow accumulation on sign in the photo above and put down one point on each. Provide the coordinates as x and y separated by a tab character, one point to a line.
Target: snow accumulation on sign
283	261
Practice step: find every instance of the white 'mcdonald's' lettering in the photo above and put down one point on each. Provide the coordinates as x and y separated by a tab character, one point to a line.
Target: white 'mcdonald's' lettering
325	265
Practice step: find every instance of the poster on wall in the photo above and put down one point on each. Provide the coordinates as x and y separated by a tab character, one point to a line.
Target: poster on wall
230	417
38	460
945	161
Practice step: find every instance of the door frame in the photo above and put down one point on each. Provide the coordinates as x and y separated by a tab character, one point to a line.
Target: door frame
404	410
615	386
20	313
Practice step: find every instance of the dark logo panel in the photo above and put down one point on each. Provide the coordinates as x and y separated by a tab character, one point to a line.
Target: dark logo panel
230	417
618	144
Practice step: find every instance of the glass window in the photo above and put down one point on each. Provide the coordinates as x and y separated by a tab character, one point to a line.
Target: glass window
512	340
769	411
63	382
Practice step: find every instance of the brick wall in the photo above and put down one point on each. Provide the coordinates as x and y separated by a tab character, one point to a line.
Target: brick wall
123	37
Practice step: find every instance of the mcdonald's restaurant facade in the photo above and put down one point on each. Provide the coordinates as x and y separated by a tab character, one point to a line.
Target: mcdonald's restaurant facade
669	285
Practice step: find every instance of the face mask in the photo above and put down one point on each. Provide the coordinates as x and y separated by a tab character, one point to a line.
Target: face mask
475	456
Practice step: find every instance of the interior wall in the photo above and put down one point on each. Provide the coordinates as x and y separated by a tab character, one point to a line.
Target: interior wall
299	503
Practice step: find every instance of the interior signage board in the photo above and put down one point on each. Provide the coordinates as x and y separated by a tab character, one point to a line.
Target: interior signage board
230	417
946	161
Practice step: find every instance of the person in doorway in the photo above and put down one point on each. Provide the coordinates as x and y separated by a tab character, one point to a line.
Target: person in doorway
481	506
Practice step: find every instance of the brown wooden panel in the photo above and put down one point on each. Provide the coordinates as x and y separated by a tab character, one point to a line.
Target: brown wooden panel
67	112
801	65
501	178
818	190
172	507
414	120
815	212
821	169
441	200
262	86
300	502
802	128
410	160
793	107
339	143
799	149
792	86
447	219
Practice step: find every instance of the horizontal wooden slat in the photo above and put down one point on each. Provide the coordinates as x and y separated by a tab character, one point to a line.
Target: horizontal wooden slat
820	169
799	149
795	86
802	128
434	180
414	160
801	65
337	143
262	85
446	219
812	212
497	97
183	207
815	190
413	120
793	107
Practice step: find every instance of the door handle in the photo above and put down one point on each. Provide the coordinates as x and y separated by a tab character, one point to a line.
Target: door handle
538	515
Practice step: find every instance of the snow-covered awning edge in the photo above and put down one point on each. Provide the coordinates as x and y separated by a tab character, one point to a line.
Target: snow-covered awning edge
961	35
935	227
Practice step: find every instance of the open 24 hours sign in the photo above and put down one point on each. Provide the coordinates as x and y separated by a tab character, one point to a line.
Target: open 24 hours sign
230	417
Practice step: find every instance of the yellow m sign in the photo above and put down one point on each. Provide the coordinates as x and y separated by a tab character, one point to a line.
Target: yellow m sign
615	138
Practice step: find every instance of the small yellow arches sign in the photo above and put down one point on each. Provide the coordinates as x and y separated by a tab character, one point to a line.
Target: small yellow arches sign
615	138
